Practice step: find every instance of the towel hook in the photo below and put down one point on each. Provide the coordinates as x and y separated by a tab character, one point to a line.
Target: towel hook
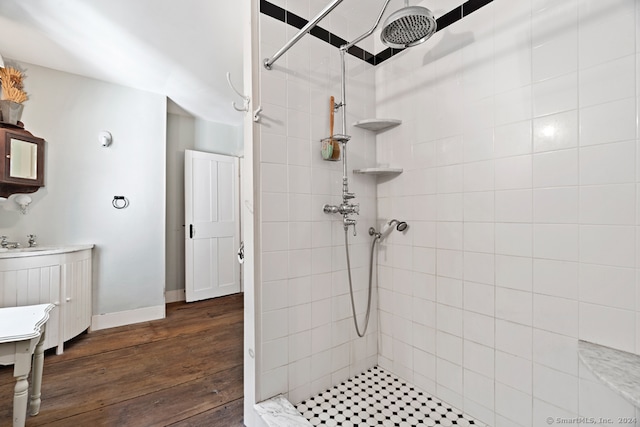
120	202
245	98
256	114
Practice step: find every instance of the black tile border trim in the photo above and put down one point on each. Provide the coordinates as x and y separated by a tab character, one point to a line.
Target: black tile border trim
298	22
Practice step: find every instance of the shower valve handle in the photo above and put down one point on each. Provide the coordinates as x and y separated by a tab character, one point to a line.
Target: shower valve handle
330	209
347	222
343	209
347	209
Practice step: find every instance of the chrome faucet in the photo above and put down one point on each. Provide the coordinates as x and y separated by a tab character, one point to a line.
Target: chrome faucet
345	208
8	245
32	240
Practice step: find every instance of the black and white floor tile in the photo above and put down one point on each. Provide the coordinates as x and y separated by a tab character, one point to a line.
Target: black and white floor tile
378	398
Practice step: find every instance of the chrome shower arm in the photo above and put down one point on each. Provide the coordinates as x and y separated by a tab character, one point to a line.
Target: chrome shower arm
268	62
368	33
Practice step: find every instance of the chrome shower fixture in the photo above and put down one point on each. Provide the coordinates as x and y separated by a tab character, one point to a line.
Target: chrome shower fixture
404	28
408	27
345	209
387	228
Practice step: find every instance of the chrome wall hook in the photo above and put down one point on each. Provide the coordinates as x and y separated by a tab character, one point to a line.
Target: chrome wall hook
245	98
256	114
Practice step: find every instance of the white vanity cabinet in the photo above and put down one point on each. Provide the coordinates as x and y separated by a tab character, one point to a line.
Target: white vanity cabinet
61	276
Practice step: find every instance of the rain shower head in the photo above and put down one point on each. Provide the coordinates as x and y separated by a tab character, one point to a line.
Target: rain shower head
408	27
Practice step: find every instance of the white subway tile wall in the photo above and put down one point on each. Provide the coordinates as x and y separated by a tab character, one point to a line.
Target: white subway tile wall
308	341
532	194
519	144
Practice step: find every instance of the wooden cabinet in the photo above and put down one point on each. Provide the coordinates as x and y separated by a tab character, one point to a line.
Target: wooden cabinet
76	298
21	161
63	279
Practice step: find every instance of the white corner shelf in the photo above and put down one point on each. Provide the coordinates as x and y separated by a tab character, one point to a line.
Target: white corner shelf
377	125
380	171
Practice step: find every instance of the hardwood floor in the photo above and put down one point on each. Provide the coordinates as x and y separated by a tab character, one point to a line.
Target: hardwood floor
185	370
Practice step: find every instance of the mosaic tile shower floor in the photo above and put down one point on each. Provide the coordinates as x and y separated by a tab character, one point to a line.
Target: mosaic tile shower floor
378	398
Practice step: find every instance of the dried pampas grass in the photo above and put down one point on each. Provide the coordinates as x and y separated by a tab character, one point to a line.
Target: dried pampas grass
12	85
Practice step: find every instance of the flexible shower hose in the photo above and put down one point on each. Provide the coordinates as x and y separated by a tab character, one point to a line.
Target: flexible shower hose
353	304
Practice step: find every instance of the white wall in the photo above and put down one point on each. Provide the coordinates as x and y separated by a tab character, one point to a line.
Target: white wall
82	177
520	145
306	334
188	133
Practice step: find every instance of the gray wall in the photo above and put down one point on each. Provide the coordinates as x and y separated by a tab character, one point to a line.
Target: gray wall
82	177
188	133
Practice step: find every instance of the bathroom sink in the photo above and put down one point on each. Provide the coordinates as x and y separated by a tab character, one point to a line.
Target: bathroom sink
34	249
7	253
20	252
39	251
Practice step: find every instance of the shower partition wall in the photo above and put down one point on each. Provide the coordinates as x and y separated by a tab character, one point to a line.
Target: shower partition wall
308	342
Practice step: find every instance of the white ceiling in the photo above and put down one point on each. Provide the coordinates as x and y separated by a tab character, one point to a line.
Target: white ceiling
178	48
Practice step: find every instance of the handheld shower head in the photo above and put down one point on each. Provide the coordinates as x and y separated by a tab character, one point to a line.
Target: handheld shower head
387	228
408	27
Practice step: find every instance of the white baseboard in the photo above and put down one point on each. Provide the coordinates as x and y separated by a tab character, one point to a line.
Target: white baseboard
174	296
127	317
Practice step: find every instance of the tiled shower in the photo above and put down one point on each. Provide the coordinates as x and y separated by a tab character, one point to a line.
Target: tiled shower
518	146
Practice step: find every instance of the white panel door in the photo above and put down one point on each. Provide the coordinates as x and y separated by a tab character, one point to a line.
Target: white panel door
212	225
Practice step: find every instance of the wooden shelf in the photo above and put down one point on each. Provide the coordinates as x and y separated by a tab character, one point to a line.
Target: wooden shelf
377	125
379	171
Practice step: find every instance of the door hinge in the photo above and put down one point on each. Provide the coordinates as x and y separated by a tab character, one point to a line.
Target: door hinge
192	231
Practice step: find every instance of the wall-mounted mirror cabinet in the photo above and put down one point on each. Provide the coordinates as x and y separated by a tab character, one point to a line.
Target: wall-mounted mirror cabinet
22	162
